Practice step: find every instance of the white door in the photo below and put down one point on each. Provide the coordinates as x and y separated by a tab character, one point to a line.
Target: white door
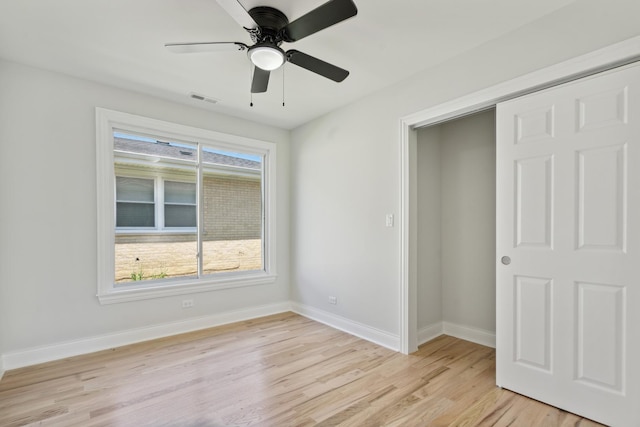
568	246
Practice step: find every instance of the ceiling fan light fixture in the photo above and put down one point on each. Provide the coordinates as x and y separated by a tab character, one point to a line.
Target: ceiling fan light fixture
267	58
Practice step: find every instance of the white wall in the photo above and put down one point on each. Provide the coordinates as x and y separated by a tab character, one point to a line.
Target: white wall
48	214
342	187
469	221
456	223
345	166
429	226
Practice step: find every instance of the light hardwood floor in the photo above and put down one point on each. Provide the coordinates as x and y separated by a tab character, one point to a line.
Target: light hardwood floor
281	370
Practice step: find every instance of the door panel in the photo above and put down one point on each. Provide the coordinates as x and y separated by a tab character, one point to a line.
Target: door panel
600	326
534	125
533	322
568	216
534	201
602	198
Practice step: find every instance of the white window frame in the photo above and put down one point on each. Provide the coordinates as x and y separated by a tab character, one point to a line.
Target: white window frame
108	121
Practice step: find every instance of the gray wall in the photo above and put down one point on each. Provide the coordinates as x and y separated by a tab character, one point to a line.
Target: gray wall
469	221
48	216
429	226
456	222
345	168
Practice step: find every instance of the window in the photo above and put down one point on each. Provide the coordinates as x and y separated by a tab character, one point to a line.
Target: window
181	209
179	204
135	202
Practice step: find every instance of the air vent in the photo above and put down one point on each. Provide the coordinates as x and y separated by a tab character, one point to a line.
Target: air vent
203	98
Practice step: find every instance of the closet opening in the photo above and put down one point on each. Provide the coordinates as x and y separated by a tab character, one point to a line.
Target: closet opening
456	229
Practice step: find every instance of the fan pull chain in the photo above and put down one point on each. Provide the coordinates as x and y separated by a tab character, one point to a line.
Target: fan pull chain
251	71
283	85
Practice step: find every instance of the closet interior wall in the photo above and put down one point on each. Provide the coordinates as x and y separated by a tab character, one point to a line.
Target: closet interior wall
456	224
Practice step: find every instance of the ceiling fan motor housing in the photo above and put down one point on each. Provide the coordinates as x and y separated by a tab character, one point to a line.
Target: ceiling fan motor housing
271	22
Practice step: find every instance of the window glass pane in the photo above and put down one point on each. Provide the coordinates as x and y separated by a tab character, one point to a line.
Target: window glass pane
180	204
179	216
135	214
157	254
232	212
179	192
134	189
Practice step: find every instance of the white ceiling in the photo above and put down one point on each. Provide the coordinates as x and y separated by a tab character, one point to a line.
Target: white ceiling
121	43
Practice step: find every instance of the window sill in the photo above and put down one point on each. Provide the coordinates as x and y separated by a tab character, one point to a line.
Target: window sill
183	287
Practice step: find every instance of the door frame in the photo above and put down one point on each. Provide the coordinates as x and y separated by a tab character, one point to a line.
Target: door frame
609	57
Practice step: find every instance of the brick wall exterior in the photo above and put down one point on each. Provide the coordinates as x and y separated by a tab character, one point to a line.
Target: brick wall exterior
232	208
178	259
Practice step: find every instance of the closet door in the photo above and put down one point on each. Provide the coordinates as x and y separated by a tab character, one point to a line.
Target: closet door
568	246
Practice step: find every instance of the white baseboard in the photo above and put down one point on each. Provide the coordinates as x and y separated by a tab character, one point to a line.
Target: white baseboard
430	332
476	335
360	330
48	353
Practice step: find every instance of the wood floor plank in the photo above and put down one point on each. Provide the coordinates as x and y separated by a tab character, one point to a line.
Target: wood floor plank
281	370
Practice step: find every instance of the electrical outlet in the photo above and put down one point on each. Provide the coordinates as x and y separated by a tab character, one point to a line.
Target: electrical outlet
187	303
333	300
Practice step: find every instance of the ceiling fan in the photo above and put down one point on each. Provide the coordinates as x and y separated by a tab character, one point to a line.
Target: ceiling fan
269	28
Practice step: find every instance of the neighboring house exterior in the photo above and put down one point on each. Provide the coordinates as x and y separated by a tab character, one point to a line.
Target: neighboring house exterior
156	209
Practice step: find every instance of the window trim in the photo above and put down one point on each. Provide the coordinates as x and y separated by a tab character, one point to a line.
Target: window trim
107	292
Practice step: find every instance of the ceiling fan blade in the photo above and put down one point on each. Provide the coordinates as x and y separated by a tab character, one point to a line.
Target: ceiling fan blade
317	66
205	47
260	80
238	13
324	16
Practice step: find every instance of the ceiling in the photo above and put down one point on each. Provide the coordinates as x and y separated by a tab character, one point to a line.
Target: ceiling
121	43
